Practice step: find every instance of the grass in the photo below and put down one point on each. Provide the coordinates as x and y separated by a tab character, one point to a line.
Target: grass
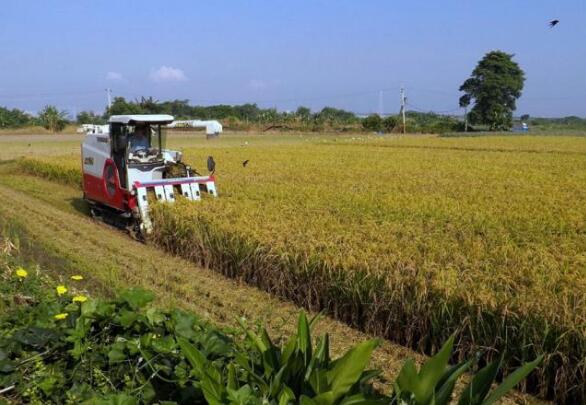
406	237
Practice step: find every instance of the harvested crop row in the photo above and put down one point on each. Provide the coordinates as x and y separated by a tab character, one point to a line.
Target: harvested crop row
408	243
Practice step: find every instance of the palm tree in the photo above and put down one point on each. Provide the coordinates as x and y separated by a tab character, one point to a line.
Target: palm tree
53	119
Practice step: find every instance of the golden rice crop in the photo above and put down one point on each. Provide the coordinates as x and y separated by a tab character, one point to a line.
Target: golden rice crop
65	171
410	238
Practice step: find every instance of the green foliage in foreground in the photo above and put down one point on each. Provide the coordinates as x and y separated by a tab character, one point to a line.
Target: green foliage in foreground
58	349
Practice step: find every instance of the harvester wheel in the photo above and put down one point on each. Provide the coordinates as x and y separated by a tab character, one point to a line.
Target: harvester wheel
95	213
134	231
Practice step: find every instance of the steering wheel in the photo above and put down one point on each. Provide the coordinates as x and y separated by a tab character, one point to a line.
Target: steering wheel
143	150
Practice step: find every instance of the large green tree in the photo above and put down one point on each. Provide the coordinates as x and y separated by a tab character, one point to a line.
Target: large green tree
494	87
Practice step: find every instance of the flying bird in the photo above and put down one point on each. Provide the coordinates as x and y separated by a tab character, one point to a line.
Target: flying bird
553	23
245	163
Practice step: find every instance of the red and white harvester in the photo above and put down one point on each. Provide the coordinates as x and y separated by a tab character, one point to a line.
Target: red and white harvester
125	165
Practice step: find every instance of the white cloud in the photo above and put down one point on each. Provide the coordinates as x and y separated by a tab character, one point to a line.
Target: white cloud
114	76
168	74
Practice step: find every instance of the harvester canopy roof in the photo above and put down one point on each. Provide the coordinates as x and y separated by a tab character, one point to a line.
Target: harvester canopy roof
142	119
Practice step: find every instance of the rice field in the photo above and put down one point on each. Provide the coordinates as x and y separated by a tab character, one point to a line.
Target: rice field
411	238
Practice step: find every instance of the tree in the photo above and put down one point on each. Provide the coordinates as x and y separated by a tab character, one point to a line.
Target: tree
304	113
120	107
180	109
149	105
247	112
53	119
372	123
14	118
495	85
389	123
89	117
336	115
525	117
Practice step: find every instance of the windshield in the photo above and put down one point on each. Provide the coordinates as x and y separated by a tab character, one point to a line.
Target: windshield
145	143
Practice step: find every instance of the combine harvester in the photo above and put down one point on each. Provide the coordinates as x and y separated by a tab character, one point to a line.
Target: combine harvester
125	164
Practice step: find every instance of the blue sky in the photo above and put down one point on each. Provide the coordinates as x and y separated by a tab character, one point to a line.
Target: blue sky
284	54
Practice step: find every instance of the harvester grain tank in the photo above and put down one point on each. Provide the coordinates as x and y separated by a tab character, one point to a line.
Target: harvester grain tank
126	165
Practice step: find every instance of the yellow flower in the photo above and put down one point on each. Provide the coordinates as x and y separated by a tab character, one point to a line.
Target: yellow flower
21	273
77	277
61	289
79	298
61	316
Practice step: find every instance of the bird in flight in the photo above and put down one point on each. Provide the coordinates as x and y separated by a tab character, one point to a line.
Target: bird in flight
553	23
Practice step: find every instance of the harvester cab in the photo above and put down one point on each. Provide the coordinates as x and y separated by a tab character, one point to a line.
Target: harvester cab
126	166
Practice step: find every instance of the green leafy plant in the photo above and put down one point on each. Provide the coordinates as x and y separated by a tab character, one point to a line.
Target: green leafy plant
434	383
59	346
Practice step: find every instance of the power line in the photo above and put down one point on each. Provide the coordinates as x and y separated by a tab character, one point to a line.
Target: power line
434	91
425	110
285	100
48	95
298	100
277	100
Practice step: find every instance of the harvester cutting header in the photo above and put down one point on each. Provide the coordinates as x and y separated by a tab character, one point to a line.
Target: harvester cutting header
125	164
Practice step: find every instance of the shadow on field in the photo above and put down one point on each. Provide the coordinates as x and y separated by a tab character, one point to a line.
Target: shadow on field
80	205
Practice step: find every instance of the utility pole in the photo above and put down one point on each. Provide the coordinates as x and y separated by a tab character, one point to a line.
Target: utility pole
109	96
403	103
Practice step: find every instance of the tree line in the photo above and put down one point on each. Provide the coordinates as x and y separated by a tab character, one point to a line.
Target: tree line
237	117
490	93
49	117
251	116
